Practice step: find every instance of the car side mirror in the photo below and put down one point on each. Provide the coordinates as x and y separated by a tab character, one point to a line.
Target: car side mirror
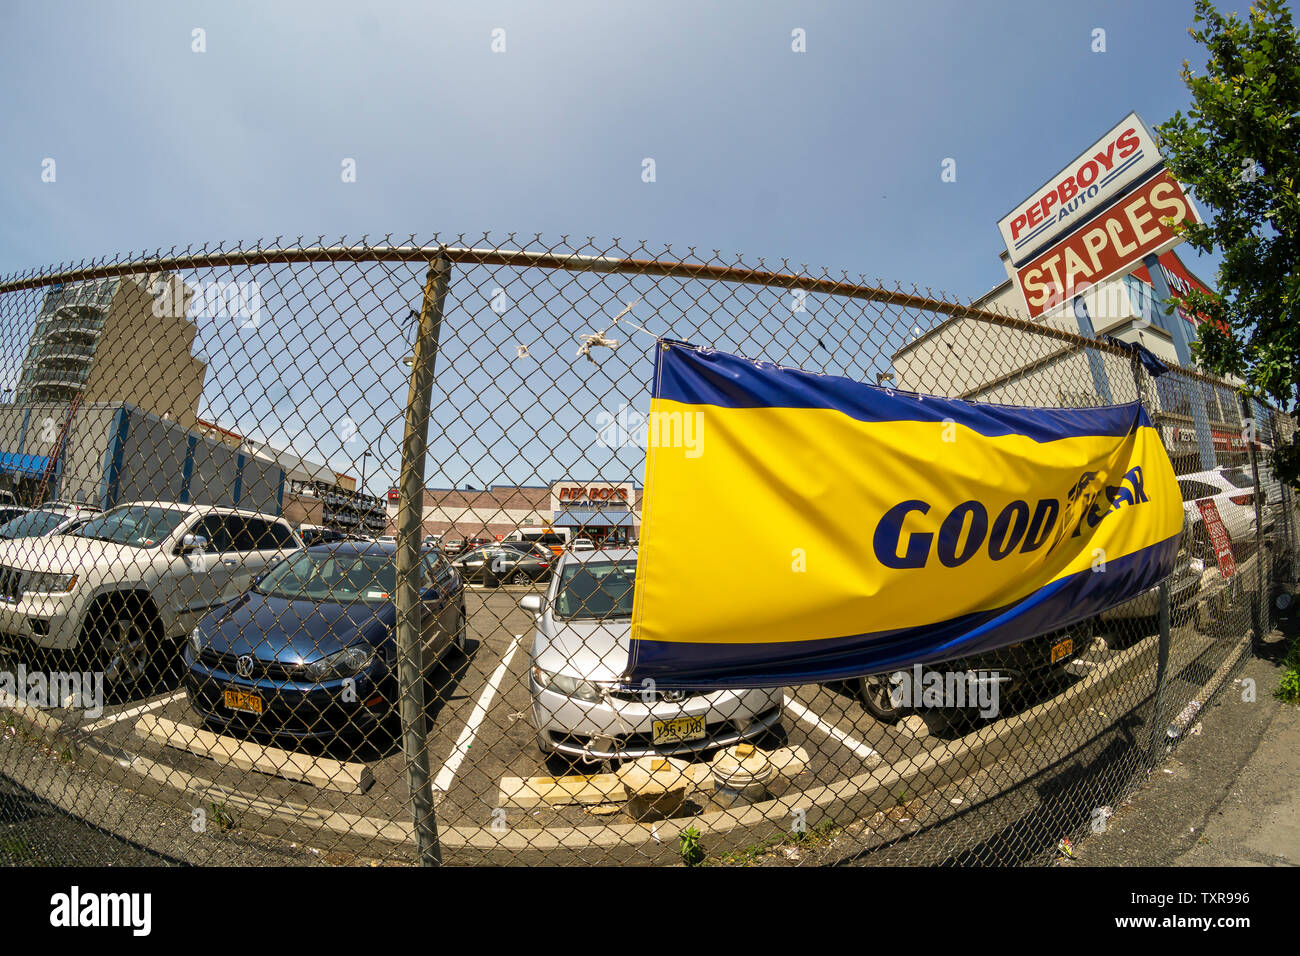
193	542
531	602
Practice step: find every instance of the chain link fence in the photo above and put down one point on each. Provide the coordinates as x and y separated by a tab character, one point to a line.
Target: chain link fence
278	521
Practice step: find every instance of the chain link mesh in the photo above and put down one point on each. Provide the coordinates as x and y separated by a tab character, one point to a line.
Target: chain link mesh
189	683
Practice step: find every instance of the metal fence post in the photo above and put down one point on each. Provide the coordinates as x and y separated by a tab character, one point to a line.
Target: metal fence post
1259	616
410	513
1165	639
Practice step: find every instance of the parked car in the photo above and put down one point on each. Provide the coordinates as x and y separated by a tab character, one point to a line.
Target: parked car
46	520
1270	490
132	578
1236	506
9	512
555	539
578	654
582	544
515	563
279	658
1184	584
1013	667
314	534
452	546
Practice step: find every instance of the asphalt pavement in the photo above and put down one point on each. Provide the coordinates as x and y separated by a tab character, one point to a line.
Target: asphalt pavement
1229	795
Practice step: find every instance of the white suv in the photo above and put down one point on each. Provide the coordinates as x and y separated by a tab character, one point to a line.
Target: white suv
131	578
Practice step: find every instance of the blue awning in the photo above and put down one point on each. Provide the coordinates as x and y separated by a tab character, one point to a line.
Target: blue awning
594	519
33	465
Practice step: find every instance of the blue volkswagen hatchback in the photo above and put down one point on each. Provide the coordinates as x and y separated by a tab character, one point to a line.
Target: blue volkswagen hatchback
309	651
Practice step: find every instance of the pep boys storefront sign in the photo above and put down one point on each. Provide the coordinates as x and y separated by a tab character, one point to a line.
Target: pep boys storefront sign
592	495
1124	156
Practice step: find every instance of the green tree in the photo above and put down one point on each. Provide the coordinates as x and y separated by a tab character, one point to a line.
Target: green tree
1238	147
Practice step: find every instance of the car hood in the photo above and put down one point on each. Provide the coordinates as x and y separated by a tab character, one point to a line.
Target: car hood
591	650
295	631
69	554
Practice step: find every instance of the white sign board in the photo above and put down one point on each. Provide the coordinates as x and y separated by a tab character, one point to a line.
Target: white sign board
1124	156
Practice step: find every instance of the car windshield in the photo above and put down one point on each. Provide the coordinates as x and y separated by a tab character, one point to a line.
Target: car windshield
134	525
32	525
596	590
331	576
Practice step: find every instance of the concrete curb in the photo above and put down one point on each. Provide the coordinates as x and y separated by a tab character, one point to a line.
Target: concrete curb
848	798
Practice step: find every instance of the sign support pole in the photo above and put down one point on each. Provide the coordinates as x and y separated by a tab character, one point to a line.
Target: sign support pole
1096	364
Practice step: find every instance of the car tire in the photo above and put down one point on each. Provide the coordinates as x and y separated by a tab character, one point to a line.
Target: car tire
521	578
121	642
873	692
460	640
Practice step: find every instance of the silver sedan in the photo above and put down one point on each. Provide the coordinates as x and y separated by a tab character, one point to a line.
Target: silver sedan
579	653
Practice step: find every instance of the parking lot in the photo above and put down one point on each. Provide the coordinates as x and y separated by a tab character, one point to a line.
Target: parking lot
489	776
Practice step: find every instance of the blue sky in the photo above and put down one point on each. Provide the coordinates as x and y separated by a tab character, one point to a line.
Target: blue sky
830	157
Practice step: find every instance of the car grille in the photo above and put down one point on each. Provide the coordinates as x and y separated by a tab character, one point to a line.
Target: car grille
262	670
655	697
11	584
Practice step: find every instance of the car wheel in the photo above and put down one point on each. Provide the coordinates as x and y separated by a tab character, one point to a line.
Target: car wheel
875	693
122	643
460	642
521	578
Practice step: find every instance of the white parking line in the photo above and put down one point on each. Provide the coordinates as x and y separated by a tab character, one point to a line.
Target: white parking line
448	772
808	717
134	711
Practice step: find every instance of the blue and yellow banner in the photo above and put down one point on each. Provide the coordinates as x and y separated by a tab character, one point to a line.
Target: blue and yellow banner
799	527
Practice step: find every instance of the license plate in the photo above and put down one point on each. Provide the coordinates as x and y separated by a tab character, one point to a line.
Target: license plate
1064	649
242	700
678	730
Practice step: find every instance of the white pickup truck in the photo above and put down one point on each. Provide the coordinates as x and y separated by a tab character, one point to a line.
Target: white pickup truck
128	581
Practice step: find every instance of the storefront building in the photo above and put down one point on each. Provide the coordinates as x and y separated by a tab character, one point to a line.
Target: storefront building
605	512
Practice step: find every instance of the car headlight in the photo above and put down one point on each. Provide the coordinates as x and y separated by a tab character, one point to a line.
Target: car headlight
42	582
196	641
345	663
566	685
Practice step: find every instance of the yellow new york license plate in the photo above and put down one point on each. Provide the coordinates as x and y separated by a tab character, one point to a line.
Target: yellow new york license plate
677	730
1064	649
242	700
